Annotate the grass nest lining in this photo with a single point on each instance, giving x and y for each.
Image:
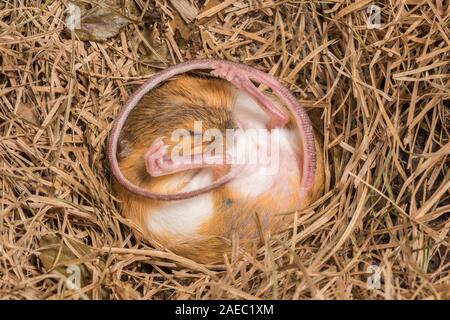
(380, 97)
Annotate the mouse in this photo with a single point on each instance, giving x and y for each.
(240, 146)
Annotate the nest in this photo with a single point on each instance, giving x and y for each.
(379, 94)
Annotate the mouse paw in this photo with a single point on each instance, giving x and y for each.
(154, 158)
(225, 71)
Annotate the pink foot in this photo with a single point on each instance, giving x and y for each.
(158, 163)
(154, 158)
(241, 80)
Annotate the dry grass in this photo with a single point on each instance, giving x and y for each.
(380, 97)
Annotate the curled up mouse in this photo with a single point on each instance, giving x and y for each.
(200, 160)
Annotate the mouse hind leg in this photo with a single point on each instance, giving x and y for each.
(241, 80)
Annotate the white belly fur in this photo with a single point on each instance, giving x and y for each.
(259, 178)
(181, 218)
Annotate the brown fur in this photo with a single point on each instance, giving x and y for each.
(176, 104)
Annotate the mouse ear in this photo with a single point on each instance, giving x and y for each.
(124, 148)
(242, 76)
